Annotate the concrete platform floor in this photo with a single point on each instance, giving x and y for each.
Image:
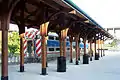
(107, 68)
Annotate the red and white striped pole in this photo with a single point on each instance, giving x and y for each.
(38, 47)
(25, 47)
(38, 44)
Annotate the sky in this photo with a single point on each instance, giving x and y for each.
(104, 12)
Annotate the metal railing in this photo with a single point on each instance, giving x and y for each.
(13, 60)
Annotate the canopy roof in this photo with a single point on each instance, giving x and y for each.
(60, 13)
(85, 15)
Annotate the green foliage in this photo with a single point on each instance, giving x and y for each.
(13, 43)
(114, 43)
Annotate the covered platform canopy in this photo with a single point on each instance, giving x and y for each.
(60, 13)
(60, 16)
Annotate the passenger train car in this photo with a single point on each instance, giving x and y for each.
(53, 44)
(32, 43)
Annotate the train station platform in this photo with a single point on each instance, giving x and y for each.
(107, 68)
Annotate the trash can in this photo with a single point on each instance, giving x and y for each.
(85, 59)
(61, 64)
(96, 56)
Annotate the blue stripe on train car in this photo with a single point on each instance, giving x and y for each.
(67, 44)
(82, 45)
(55, 43)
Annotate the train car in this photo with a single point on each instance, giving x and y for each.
(32, 43)
(53, 45)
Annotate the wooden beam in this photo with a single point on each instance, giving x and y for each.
(78, 49)
(61, 46)
(95, 45)
(64, 47)
(21, 54)
(4, 68)
(52, 4)
(76, 40)
(43, 55)
(84, 40)
(43, 33)
(91, 51)
(71, 54)
(21, 31)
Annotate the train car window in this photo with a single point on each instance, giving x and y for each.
(57, 49)
(67, 39)
(51, 37)
(68, 48)
(57, 38)
(51, 49)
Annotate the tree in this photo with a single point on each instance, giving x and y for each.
(114, 43)
(13, 43)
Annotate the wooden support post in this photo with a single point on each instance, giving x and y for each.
(21, 52)
(85, 56)
(61, 47)
(4, 55)
(96, 54)
(101, 47)
(4, 68)
(79, 53)
(95, 45)
(78, 50)
(46, 38)
(91, 52)
(61, 61)
(63, 36)
(43, 33)
(90, 44)
(85, 46)
(98, 46)
(76, 40)
(21, 33)
(71, 55)
(5, 15)
(64, 47)
(43, 55)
